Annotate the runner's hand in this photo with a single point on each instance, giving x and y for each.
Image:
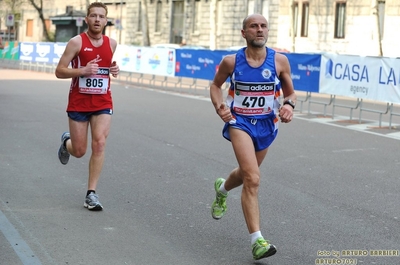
(91, 68)
(114, 69)
(224, 112)
(286, 113)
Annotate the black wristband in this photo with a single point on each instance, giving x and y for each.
(290, 102)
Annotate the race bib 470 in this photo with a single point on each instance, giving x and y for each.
(253, 98)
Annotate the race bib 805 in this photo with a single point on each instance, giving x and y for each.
(95, 84)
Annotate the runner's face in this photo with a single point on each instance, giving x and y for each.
(256, 31)
(96, 19)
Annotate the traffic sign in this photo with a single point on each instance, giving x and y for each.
(117, 24)
(79, 21)
(10, 20)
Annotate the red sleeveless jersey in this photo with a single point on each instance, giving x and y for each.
(91, 93)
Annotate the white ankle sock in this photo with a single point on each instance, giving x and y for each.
(222, 188)
(254, 236)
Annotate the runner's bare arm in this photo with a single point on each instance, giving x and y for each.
(285, 77)
(283, 69)
(114, 68)
(224, 71)
(71, 51)
(113, 44)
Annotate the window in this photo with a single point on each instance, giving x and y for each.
(158, 16)
(295, 16)
(340, 20)
(139, 17)
(220, 17)
(178, 21)
(265, 9)
(196, 16)
(29, 28)
(47, 22)
(381, 16)
(250, 7)
(305, 12)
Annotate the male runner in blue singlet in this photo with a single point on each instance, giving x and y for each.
(250, 113)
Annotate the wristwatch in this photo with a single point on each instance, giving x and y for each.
(290, 102)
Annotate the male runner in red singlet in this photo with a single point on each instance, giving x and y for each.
(250, 113)
(90, 101)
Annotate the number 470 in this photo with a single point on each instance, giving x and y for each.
(253, 101)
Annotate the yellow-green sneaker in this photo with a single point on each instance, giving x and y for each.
(262, 249)
(218, 208)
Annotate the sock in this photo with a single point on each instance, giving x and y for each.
(222, 188)
(65, 142)
(254, 236)
(90, 191)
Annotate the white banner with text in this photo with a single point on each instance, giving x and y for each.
(374, 78)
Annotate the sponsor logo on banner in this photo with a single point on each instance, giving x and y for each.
(361, 77)
(26, 51)
(154, 61)
(58, 51)
(344, 71)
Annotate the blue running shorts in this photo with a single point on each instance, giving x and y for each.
(262, 131)
(85, 116)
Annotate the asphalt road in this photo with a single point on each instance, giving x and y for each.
(327, 194)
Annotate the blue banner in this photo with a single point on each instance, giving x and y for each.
(190, 63)
(203, 64)
(200, 64)
(42, 52)
(305, 70)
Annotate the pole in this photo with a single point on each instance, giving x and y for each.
(120, 21)
(292, 24)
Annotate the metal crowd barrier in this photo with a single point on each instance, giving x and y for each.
(391, 114)
(198, 87)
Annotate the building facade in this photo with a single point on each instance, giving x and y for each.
(359, 27)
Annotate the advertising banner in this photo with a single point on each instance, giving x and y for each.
(147, 60)
(57, 51)
(41, 52)
(126, 57)
(199, 64)
(305, 71)
(373, 78)
(10, 51)
(361, 77)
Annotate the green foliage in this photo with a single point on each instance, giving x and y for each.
(52, 36)
(12, 5)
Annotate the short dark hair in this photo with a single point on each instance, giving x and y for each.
(96, 4)
(244, 22)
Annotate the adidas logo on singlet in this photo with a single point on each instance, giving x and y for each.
(255, 87)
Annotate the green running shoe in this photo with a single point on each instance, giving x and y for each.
(262, 249)
(218, 208)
